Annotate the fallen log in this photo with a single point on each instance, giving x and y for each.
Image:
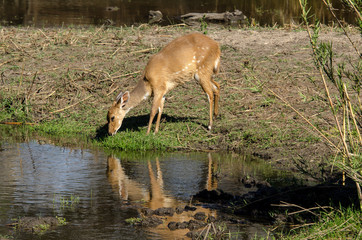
(227, 17)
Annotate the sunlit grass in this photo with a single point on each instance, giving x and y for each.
(337, 224)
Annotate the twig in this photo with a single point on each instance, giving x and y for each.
(144, 50)
(119, 76)
(195, 130)
(21, 50)
(50, 94)
(176, 25)
(115, 52)
(112, 91)
(188, 129)
(43, 33)
(285, 204)
(178, 138)
(207, 231)
(352, 113)
(60, 110)
(355, 9)
(11, 60)
(303, 226)
(17, 123)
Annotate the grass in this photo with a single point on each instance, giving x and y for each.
(61, 221)
(336, 224)
(132, 141)
(67, 101)
(41, 228)
(133, 221)
(6, 237)
(64, 203)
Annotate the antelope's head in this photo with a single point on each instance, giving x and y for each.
(117, 112)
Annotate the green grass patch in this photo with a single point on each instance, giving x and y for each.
(62, 127)
(336, 224)
(133, 221)
(135, 141)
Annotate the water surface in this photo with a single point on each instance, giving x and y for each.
(96, 192)
(120, 12)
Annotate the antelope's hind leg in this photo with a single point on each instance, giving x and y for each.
(216, 90)
(207, 86)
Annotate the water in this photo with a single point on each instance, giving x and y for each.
(96, 192)
(120, 12)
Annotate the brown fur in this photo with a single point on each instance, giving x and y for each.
(190, 56)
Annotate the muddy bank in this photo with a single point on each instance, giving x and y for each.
(279, 208)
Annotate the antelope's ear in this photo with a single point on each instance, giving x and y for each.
(125, 97)
(122, 99)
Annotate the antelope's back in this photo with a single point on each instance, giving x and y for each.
(190, 51)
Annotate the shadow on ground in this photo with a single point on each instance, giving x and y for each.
(135, 123)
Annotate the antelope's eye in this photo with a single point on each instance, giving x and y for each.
(112, 118)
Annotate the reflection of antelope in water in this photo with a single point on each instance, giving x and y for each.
(156, 197)
(211, 183)
(126, 188)
(129, 189)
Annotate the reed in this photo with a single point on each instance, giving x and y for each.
(347, 81)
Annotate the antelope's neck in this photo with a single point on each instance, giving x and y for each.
(141, 92)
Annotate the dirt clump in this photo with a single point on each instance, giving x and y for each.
(36, 224)
(152, 221)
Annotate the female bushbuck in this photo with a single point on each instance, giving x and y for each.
(190, 56)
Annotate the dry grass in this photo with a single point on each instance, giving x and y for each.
(73, 74)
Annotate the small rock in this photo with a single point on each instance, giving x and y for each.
(172, 226)
(200, 216)
(177, 225)
(147, 212)
(164, 212)
(189, 208)
(151, 222)
(179, 210)
(193, 224)
(182, 225)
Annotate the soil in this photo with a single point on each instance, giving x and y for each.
(78, 72)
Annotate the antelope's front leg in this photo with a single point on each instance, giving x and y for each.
(157, 106)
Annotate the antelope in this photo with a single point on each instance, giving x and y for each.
(191, 56)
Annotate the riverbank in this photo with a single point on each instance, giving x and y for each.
(64, 79)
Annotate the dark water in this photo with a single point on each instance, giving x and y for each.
(120, 12)
(96, 192)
